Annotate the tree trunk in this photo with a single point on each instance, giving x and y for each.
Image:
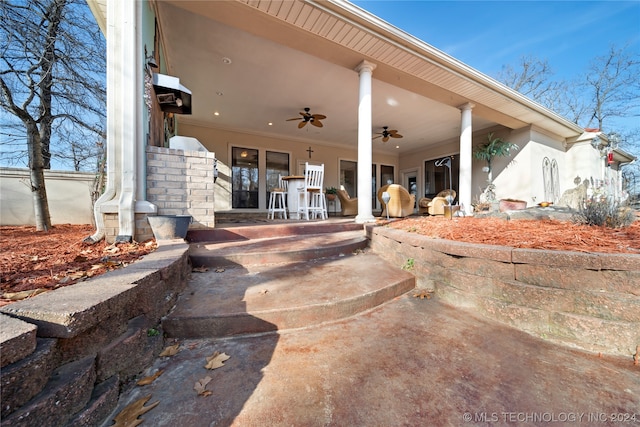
(38, 188)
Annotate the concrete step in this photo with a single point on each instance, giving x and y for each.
(269, 229)
(256, 298)
(286, 248)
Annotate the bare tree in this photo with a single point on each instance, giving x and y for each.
(609, 89)
(613, 86)
(52, 83)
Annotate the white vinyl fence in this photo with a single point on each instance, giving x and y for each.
(69, 195)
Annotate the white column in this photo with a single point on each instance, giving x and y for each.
(127, 114)
(365, 71)
(464, 190)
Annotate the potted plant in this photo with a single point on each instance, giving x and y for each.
(494, 147)
(331, 193)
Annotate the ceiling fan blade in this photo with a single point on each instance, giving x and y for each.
(316, 123)
(385, 138)
(319, 116)
(395, 135)
(302, 124)
(376, 137)
(295, 118)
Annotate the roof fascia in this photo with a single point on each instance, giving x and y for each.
(391, 34)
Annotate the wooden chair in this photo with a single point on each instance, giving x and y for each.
(311, 193)
(278, 200)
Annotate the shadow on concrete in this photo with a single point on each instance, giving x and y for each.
(230, 387)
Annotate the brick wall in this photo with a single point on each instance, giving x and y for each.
(180, 182)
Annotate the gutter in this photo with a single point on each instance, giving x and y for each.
(415, 46)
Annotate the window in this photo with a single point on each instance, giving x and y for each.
(349, 177)
(386, 175)
(438, 176)
(244, 178)
(277, 164)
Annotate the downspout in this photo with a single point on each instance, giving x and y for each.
(113, 153)
(131, 98)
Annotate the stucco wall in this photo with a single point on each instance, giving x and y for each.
(69, 195)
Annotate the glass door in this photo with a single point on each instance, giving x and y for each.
(244, 178)
(277, 164)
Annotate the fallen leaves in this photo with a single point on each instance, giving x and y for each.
(171, 350)
(33, 260)
(216, 360)
(128, 417)
(148, 380)
(201, 385)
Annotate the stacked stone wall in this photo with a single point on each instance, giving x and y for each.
(66, 354)
(586, 300)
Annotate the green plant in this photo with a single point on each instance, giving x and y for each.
(494, 147)
(152, 332)
(331, 190)
(408, 265)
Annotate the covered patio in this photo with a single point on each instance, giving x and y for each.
(251, 67)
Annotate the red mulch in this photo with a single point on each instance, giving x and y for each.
(522, 233)
(31, 259)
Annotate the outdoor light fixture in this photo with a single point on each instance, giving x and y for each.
(385, 198)
(151, 59)
(244, 154)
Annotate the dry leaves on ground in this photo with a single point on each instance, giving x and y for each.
(128, 417)
(524, 233)
(216, 360)
(33, 260)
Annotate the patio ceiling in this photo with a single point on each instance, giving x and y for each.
(288, 55)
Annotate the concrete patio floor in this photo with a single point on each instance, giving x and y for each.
(409, 362)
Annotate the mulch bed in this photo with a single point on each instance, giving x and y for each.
(31, 259)
(534, 234)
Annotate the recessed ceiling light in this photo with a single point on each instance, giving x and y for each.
(215, 113)
(219, 93)
(270, 124)
(397, 146)
(226, 60)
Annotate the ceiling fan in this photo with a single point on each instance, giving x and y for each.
(386, 134)
(307, 117)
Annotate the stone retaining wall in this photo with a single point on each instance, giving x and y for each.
(585, 300)
(65, 354)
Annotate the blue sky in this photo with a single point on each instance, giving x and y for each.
(489, 34)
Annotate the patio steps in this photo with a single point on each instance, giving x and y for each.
(299, 279)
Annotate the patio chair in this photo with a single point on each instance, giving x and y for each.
(348, 206)
(277, 200)
(311, 193)
(401, 203)
(436, 205)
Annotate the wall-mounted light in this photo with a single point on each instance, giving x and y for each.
(244, 154)
(150, 60)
